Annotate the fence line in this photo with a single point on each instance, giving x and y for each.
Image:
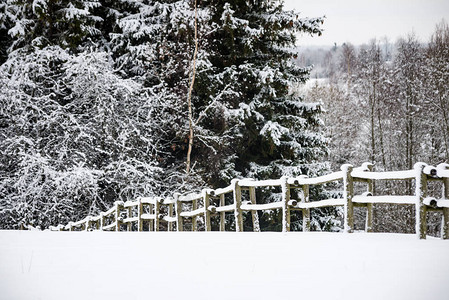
(125, 214)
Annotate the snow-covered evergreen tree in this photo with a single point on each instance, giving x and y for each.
(53, 22)
(242, 97)
(248, 122)
(6, 23)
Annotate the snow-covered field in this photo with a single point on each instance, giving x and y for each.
(214, 265)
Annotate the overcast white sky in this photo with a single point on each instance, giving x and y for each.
(358, 21)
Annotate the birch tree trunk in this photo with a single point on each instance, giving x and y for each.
(189, 97)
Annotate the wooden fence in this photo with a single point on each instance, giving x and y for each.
(171, 210)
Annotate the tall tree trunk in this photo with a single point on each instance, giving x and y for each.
(445, 125)
(382, 147)
(373, 140)
(372, 124)
(189, 97)
(381, 140)
(409, 133)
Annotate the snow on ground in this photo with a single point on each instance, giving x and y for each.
(214, 265)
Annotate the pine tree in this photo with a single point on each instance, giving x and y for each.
(248, 122)
(243, 96)
(53, 22)
(6, 23)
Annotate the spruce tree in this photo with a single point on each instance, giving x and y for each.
(249, 124)
(259, 128)
(6, 23)
(53, 22)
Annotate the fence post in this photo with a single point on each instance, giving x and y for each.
(369, 206)
(206, 201)
(194, 207)
(129, 226)
(178, 212)
(102, 217)
(88, 223)
(305, 211)
(157, 208)
(118, 218)
(285, 207)
(151, 222)
(254, 215)
(420, 208)
(222, 214)
(170, 214)
(139, 215)
(348, 193)
(237, 193)
(445, 225)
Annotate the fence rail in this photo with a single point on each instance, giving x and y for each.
(149, 209)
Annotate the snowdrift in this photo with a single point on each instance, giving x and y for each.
(217, 265)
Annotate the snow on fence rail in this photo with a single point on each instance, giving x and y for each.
(213, 202)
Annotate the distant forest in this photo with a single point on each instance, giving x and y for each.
(385, 102)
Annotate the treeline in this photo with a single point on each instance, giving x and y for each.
(93, 102)
(388, 104)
